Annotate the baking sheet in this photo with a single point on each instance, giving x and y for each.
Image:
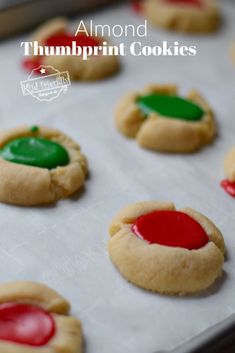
(17, 16)
(64, 245)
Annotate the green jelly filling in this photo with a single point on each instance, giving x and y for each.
(35, 151)
(173, 107)
(34, 128)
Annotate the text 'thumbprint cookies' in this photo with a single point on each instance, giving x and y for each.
(54, 35)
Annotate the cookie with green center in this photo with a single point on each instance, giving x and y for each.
(35, 318)
(160, 119)
(164, 250)
(189, 16)
(39, 165)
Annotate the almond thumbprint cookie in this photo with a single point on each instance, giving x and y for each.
(164, 250)
(160, 119)
(188, 16)
(229, 166)
(35, 319)
(39, 165)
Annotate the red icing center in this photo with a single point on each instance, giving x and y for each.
(32, 63)
(25, 324)
(64, 39)
(137, 6)
(197, 3)
(170, 228)
(228, 186)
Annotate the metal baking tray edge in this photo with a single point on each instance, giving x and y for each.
(213, 340)
(19, 16)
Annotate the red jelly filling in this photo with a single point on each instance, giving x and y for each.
(137, 6)
(30, 64)
(228, 186)
(64, 39)
(170, 228)
(197, 3)
(25, 324)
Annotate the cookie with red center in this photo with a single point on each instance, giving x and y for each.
(189, 16)
(55, 33)
(160, 249)
(137, 6)
(228, 184)
(35, 318)
(162, 120)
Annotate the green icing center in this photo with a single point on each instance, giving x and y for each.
(35, 151)
(173, 107)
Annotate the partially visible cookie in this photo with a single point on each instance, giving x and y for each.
(229, 167)
(233, 52)
(189, 16)
(159, 119)
(160, 249)
(39, 165)
(35, 318)
(55, 33)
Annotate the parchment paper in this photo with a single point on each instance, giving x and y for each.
(64, 245)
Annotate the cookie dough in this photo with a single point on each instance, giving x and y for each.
(55, 33)
(35, 318)
(39, 165)
(229, 166)
(189, 16)
(161, 120)
(160, 249)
